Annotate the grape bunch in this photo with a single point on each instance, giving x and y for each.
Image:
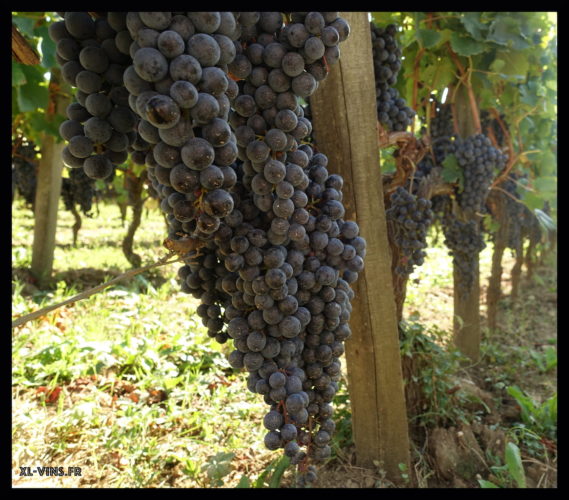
(465, 242)
(392, 110)
(478, 159)
(442, 140)
(518, 216)
(75, 189)
(442, 133)
(410, 218)
(78, 189)
(93, 56)
(24, 171)
(180, 89)
(216, 100)
(442, 122)
(290, 255)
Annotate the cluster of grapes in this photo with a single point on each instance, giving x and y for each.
(92, 53)
(442, 133)
(182, 93)
(520, 219)
(291, 271)
(75, 189)
(442, 140)
(442, 122)
(465, 242)
(392, 110)
(216, 97)
(24, 171)
(478, 159)
(411, 218)
(78, 189)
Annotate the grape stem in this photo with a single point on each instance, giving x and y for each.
(87, 293)
(416, 69)
(465, 80)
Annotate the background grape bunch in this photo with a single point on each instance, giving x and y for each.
(479, 160)
(518, 217)
(410, 216)
(24, 171)
(77, 189)
(392, 110)
(464, 241)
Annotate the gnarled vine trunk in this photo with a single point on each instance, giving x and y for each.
(517, 272)
(77, 225)
(136, 201)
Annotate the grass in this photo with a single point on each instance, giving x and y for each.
(127, 385)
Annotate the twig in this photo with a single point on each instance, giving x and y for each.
(497, 188)
(416, 68)
(431, 19)
(465, 78)
(87, 293)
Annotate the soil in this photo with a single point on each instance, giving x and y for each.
(457, 456)
(442, 457)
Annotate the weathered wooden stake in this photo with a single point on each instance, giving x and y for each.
(466, 307)
(345, 123)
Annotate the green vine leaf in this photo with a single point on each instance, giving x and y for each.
(544, 220)
(440, 74)
(497, 65)
(490, 225)
(25, 25)
(515, 466)
(47, 48)
(486, 484)
(472, 24)
(506, 30)
(39, 124)
(138, 170)
(465, 45)
(18, 75)
(428, 38)
(511, 64)
(452, 172)
(33, 94)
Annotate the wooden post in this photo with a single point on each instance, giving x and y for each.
(345, 120)
(47, 193)
(466, 307)
(22, 52)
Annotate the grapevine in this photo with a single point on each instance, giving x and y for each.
(392, 110)
(24, 171)
(479, 160)
(410, 218)
(212, 101)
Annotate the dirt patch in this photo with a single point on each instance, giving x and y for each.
(457, 456)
